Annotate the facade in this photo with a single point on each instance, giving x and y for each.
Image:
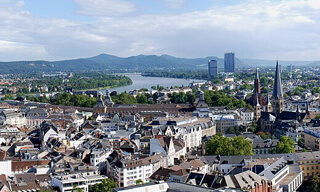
(83, 181)
(36, 116)
(12, 118)
(127, 172)
(213, 68)
(310, 138)
(309, 163)
(229, 64)
(247, 114)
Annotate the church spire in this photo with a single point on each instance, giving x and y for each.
(257, 100)
(268, 100)
(257, 73)
(277, 87)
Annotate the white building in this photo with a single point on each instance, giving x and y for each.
(12, 118)
(79, 180)
(247, 114)
(98, 157)
(127, 172)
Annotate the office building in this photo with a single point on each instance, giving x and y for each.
(229, 65)
(213, 68)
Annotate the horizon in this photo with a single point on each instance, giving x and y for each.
(160, 55)
(67, 29)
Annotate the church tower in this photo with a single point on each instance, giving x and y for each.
(268, 107)
(257, 89)
(277, 93)
(257, 109)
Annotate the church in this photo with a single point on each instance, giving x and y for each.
(273, 117)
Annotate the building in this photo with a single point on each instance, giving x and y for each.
(12, 118)
(257, 108)
(100, 107)
(127, 172)
(309, 163)
(36, 116)
(66, 182)
(158, 186)
(278, 101)
(229, 65)
(213, 68)
(310, 138)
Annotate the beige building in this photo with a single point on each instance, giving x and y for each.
(311, 137)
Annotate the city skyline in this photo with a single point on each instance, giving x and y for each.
(36, 30)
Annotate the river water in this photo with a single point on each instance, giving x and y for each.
(139, 82)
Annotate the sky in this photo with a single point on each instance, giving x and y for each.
(66, 29)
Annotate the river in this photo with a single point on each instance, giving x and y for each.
(139, 81)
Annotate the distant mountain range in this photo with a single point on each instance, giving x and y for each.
(133, 63)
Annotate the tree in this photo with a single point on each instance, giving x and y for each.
(76, 189)
(315, 184)
(105, 185)
(142, 98)
(139, 181)
(286, 145)
(264, 135)
(225, 146)
(8, 97)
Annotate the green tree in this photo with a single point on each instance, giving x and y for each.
(241, 146)
(76, 189)
(228, 146)
(8, 97)
(286, 145)
(315, 184)
(139, 182)
(142, 98)
(105, 185)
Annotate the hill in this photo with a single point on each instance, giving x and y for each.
(134, 63)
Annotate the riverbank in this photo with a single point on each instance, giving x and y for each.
(196, 75)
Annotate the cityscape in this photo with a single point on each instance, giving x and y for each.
(163, 96)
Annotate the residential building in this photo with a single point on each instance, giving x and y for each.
(310, 138)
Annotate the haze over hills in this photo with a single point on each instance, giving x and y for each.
(133, 63)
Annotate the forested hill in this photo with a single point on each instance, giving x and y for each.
(110, 62)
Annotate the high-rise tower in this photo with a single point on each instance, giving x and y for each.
(277, 92)
(213, 68)
(229, 66)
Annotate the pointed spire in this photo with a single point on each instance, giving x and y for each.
(268, 100)
(257, 100)
(257, 73)
(277, 87)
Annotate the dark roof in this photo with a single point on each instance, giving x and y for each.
(196, 176)
(161, 174)
(288, 115)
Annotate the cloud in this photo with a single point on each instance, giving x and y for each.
(254, 29)
(105, 7)
(174, 4)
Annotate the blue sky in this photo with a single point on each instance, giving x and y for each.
(64, 29)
